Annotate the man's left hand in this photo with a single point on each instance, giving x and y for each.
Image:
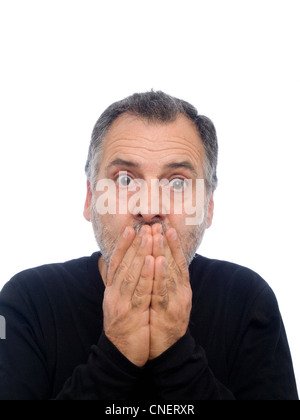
(171, 301)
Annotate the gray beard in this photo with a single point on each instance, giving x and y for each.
(107, 243)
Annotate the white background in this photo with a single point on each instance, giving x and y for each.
(64, 61)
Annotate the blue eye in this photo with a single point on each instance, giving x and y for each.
(124, 180)
(178, 184)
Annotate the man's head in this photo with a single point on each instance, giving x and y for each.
(151, 136)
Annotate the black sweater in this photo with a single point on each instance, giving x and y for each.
(235, 348)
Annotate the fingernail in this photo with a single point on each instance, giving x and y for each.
(126, 232)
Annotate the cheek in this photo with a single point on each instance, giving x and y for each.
(116, 222)
(178, 222)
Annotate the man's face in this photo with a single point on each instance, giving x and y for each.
(135, 149)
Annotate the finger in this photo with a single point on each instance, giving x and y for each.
(161, 248)
(127, 246)
(174, 248)
(169, 246)
(147, 229)
(158, 245)
(157, 228)
(134, 267)
(147, 275)
(160, 297)
(124, 243)
(143, 291)
(157, 232)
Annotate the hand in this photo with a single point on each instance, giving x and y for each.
(171, 301)
(127, 298)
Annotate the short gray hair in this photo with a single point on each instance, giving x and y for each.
(155, 107)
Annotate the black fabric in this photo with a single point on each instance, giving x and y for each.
(235, 348)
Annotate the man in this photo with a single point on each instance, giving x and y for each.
(146, 318)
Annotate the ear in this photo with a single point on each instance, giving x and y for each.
(88, 203)
(210, 211)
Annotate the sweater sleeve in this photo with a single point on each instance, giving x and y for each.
(262, 367)
(108, 375)
(183, 373)
(24, 368)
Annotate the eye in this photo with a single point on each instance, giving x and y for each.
(124, 180)
(178, 184)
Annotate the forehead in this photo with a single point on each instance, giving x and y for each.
(153, 143)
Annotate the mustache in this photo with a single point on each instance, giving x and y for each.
(138, 226)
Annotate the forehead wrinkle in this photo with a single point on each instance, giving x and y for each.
(167, 160)
(153, 145)
(141, 155)
(142, 151)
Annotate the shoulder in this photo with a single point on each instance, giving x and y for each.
(225, 271)
(233, 299)
(231, 282)
(50, 277)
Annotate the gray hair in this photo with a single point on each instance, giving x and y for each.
(155, 107)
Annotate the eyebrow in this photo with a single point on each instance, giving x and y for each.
(122, 162)
(178, 165)
(173, 165)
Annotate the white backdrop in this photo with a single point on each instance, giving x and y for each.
(64, 61)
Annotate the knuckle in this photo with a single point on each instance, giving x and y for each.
(123, 267)
(137, 301)
(140, 299)
(129, 278)
(173, 266)
(163, 299)
(128, 281)
(183, 268)
(171, 285)
(164, 302)
(139, 292)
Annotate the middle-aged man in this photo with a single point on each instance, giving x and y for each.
(146, 317)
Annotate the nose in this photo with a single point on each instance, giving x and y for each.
(147, 205)
(149, 219)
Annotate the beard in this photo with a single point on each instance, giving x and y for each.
(107, 242)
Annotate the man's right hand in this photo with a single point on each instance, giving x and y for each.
(127, 296)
